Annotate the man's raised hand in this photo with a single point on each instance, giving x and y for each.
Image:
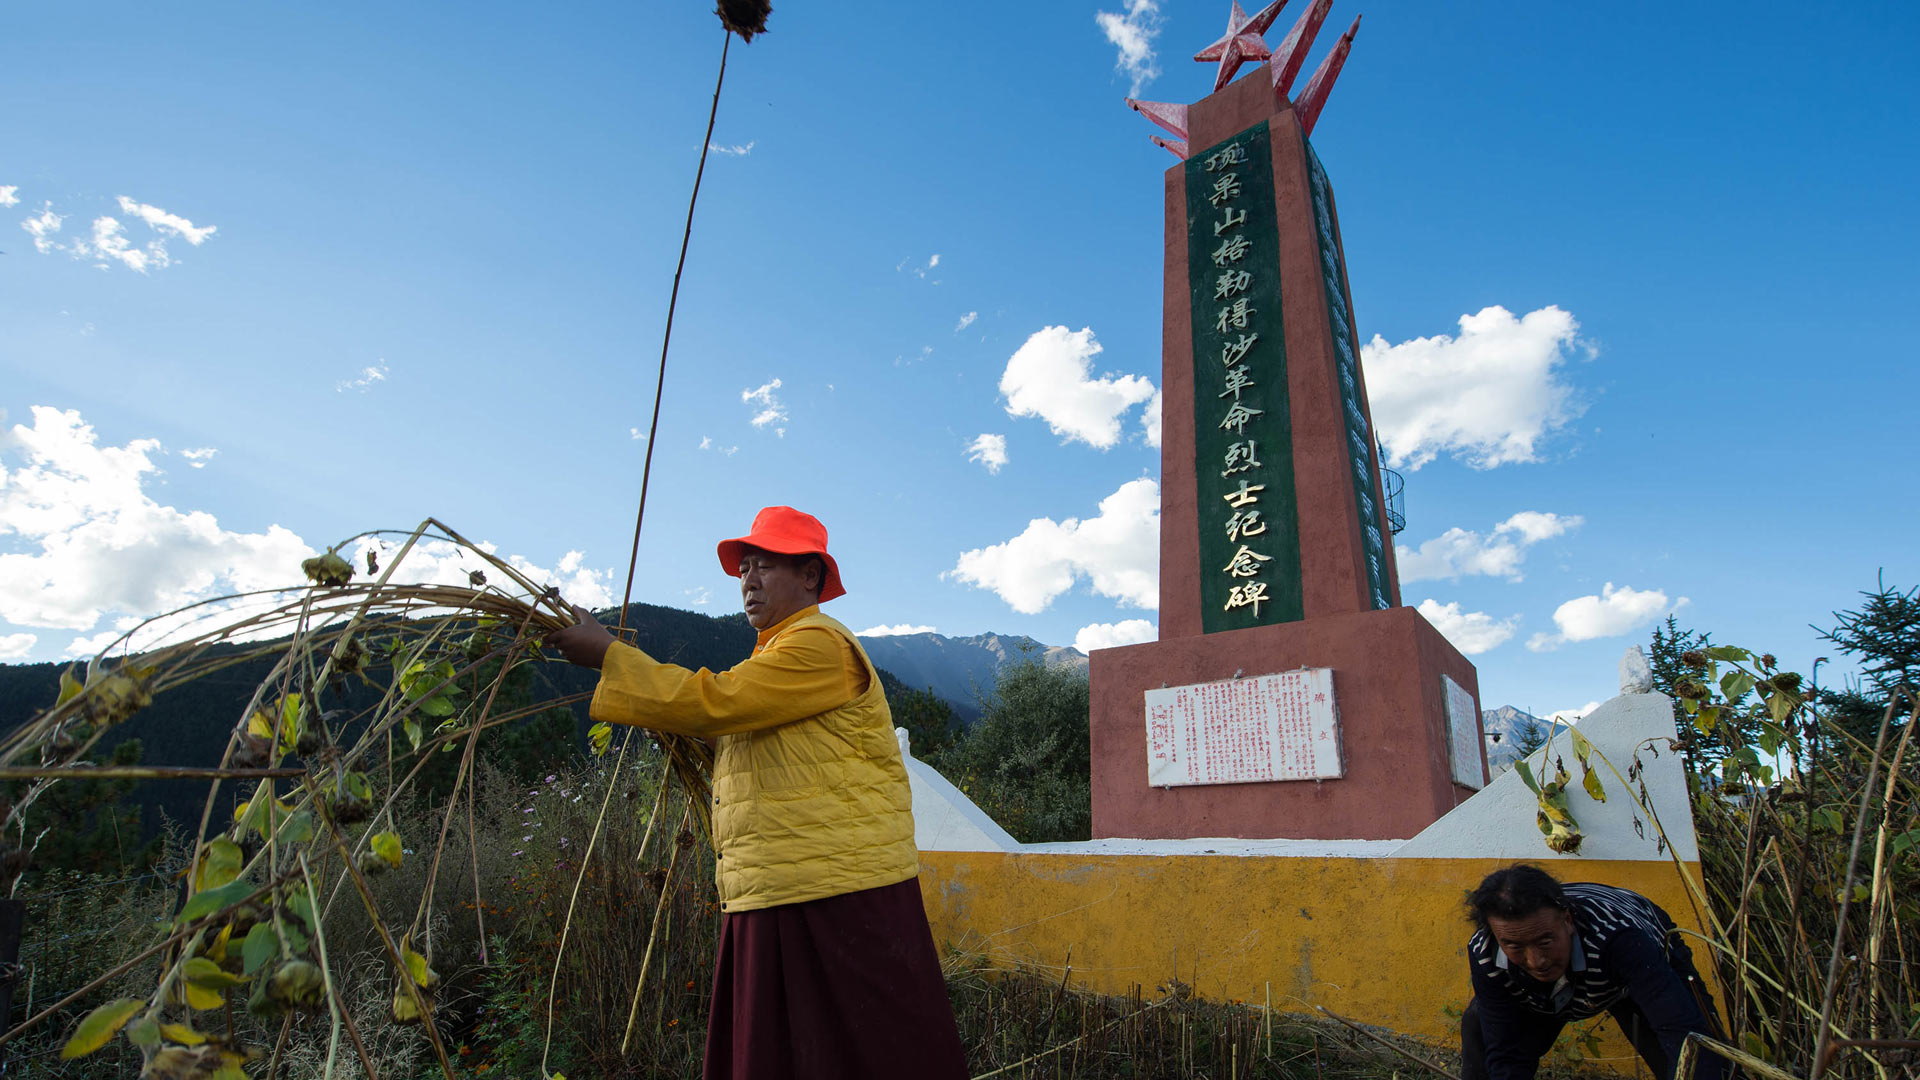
(584, 643)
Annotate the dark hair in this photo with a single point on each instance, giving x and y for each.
(1514, 893)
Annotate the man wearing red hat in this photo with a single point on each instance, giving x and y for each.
(826, 967)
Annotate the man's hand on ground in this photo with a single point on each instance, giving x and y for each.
(585, 643)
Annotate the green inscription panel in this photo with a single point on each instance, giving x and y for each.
(1360, 464)
(1243, 435)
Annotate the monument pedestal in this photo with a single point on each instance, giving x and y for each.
(1388, 668)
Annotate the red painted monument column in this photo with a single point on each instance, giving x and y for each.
(1275, 551)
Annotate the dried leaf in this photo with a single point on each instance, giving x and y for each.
(99, 1026)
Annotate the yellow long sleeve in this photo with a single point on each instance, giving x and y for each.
(791, 676)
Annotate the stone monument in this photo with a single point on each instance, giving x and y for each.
(1290, 694)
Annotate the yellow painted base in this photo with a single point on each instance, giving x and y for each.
(1381, 941)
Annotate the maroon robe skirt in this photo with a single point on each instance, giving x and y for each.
(844, 988)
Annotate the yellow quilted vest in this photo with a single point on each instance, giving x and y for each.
(815, 808)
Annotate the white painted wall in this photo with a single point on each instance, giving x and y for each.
(944, 819)
(1498, 822)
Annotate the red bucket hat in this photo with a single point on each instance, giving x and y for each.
(785, 531)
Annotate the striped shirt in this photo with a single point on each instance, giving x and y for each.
(1627, 959)
(1600, 913)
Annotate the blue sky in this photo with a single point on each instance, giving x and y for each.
(366, 264)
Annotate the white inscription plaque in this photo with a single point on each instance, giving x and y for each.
(1463, 735)
(1238, 731)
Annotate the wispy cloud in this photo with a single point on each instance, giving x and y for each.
(966, 321)
(989, 450)
(1462, 552)
(698, 596)
(16, 646)
(735, 150)
(42, 227)
(377, 373)
(1051, 377)
(1615, 611)
(1488, 397)
(1131, 31)
(906, 265)
(170, 224)
(897, 630)
(769, 411)
(9, 195)
(199, 456)
(707, 443)
(108, 243)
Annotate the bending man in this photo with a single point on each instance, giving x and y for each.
(1546, 954)
(826, 966)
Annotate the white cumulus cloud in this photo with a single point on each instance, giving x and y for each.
(1110, 635)
(1472, 632)
(768, 409)
(169, 224)
(1572, 716)
(1462, 552)
(1489, 396)
(1117, 552)
(15, 646)
(897, 630)
(1051, 377)
(1615, 611)
(1150, 421)
(199, 456)
(84, 547)
(80, 539)
(1131, 31)
(9, 195)
(989, 450)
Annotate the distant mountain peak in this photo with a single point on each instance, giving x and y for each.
(962, 670)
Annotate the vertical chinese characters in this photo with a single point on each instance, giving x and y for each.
(1234, 321)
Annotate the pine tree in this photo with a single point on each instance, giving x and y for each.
(1884, 635)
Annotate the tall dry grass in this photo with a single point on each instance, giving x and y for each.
(1814, 891)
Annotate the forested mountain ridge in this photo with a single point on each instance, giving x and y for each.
(190, 724)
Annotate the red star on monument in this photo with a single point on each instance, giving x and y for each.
(1242, 42)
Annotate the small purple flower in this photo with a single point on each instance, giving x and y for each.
(551, 778)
